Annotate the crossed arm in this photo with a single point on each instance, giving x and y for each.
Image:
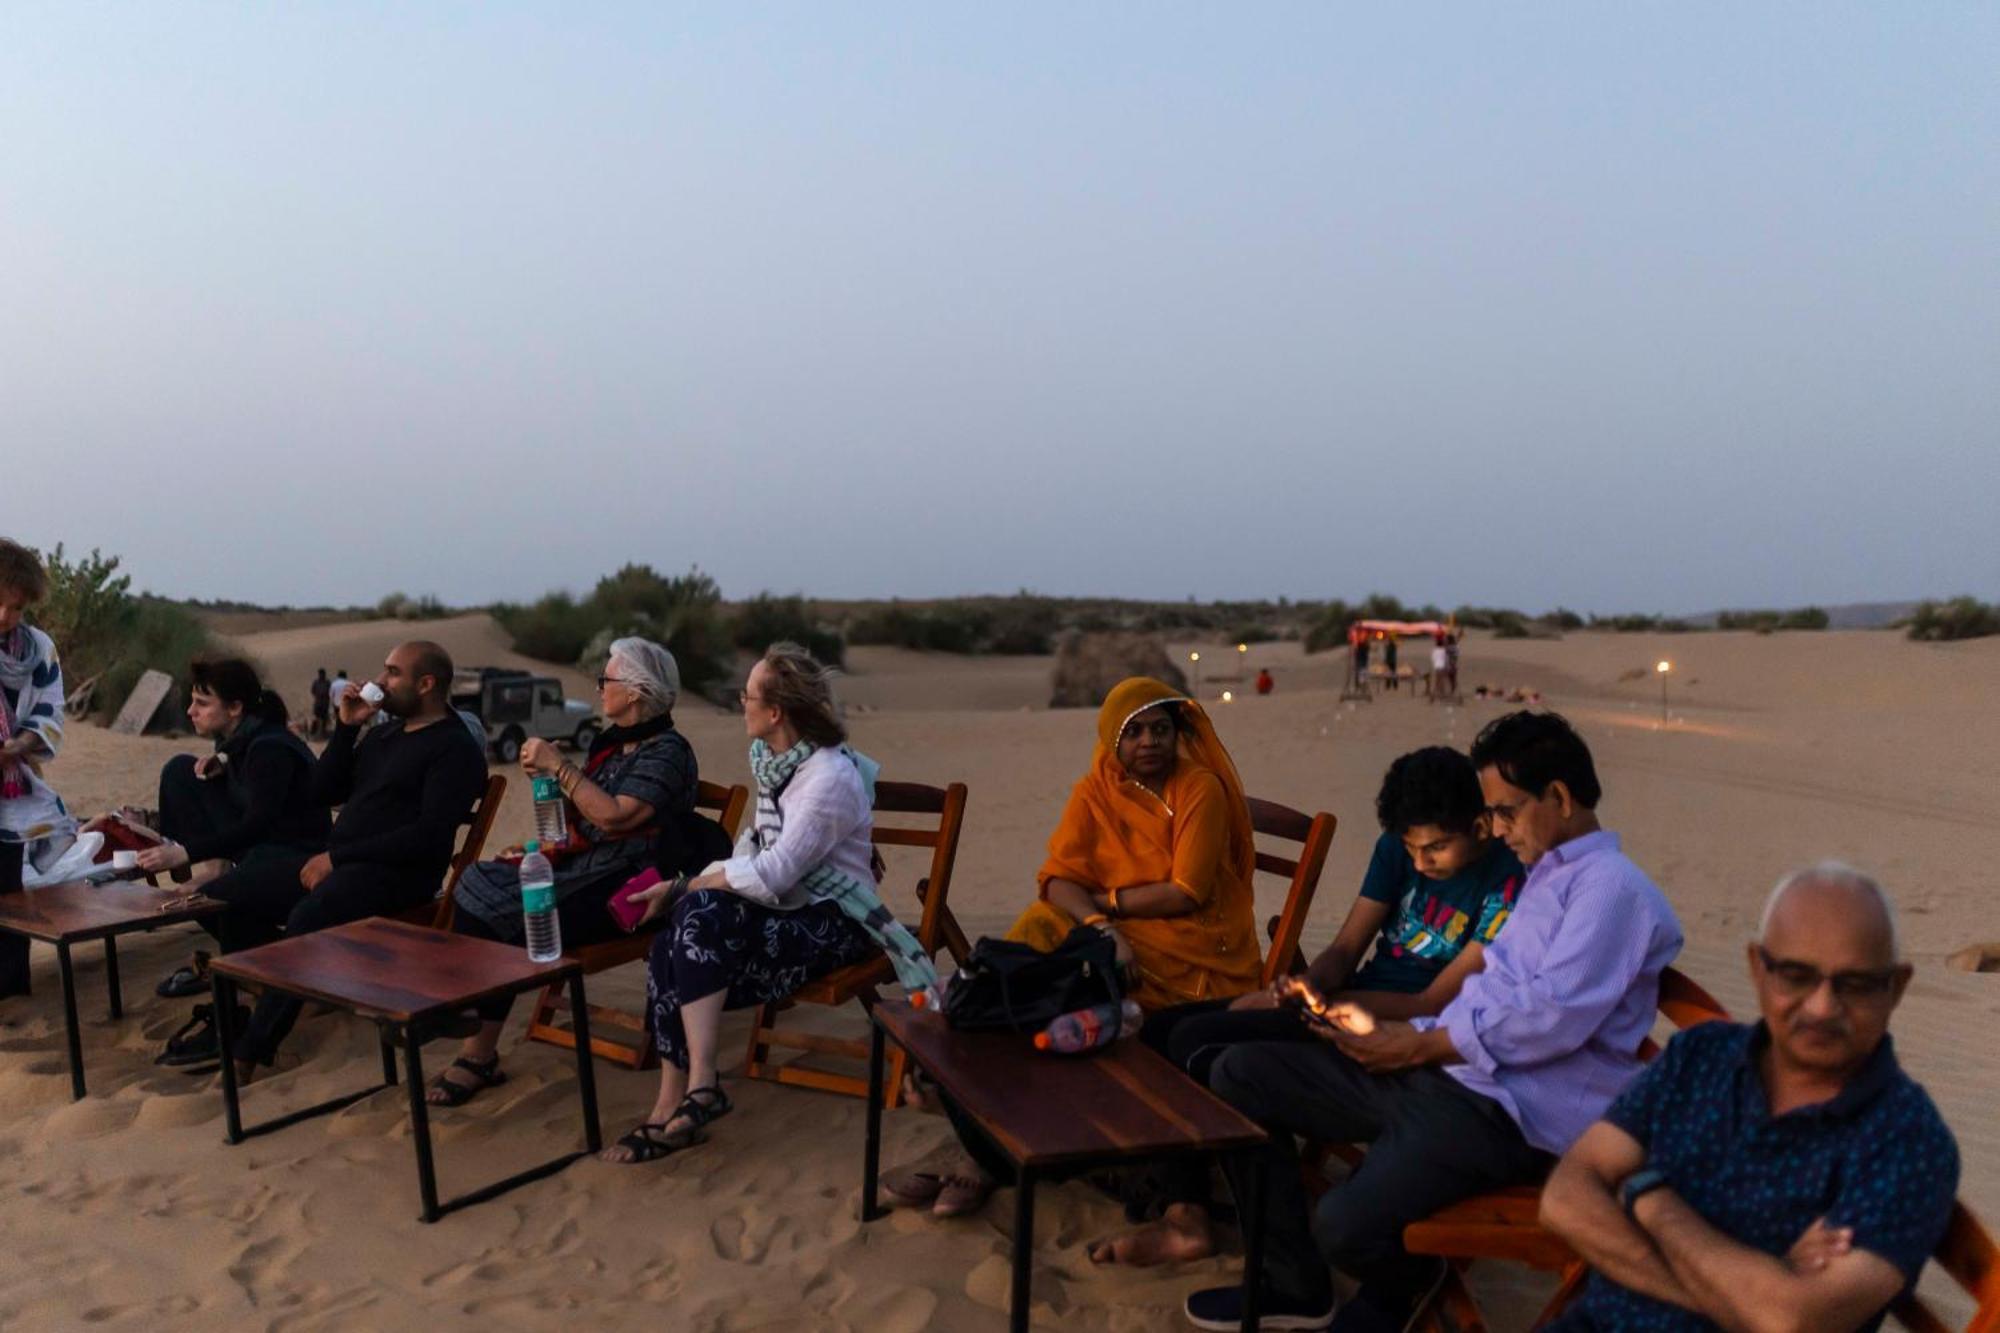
(1666, 1250)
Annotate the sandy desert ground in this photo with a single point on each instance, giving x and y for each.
(126, 1210)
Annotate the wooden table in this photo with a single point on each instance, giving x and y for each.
(408, 980)
(1057, 1115)
(77, 912)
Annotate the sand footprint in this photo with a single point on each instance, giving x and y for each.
(744, 1235)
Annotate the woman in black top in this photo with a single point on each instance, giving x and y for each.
(248, 800)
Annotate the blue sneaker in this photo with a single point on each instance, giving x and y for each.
(1221, 1309)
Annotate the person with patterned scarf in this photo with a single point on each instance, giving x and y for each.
(796, 901)
(35, 826)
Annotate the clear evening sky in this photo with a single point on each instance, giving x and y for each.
(1636, 306)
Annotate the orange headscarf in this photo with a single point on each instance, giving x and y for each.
(1195, 834)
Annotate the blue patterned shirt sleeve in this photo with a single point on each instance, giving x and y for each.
(1899, 1186)
(1656, 1090)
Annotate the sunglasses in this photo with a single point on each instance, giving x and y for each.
(1794, 978)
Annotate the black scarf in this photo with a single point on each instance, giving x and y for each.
(612, 739)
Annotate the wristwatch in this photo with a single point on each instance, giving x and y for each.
(1641, 1182)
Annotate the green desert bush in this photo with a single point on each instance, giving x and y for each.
(683, 612)
(1329, 628)
(1958, 618)
(102, 630)
(402, 606)
(767, 618)
(554, 629)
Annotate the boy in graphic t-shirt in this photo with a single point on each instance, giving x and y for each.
(1438, 888)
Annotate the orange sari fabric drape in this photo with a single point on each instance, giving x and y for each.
(1195, 834)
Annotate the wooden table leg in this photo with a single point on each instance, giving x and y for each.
(1024, 1249)
(63, 963)
(871, 1151)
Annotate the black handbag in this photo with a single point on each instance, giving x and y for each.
(1009, 987)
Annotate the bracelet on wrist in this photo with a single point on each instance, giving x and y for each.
(1097, 919)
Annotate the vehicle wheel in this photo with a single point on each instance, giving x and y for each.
(508, 748)
(586, 736)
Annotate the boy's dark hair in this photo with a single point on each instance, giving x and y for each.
(1531, 750)
(1434, 785)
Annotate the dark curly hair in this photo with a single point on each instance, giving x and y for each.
(1532, 750)
(21, 572)
(1434, 785)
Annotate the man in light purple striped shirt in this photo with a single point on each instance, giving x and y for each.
(1529, 1054)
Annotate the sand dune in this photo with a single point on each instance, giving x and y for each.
(126, 1210)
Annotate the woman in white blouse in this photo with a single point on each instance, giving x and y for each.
(797, 899)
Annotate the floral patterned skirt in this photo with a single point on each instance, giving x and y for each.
(721, 941)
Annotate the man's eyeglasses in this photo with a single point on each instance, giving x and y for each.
(1795, 978)
(602, 681)
(744, 699)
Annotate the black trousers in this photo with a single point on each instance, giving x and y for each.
(14, 977)
(1430, 1142)
(189, 807)
(581, 918)
(266, 900)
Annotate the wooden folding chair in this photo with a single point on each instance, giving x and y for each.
(936, 929)
(547, 1023)
(438, 913)
(1314, 833)
(1968, 1254)
(1505, 1224)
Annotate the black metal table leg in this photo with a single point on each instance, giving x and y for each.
(586, 1063)
(69, 1022)
(1024, 1248)
(420, 1124)
(223, 992)
(111, 976)
(387, 1040)
(1252, 1220)
(871, 1152)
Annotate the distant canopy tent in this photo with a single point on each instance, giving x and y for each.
(1402, 629)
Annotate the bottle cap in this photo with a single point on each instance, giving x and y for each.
(531, 845)
(918, 999)
(1043, 1041)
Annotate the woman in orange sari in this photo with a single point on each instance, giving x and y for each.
(1154, 848)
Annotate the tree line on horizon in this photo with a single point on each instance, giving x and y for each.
(110, 635)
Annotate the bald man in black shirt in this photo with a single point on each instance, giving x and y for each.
(403, 789)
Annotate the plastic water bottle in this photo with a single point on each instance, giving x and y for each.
(538, 906)
(551, 821)
(1087, 1029)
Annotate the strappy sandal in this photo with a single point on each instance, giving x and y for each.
(702, 1107)
(486, 1073)
(650, 1142)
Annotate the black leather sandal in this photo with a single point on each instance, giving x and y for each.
(449, 1093)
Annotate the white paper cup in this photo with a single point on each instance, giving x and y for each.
(125, 859)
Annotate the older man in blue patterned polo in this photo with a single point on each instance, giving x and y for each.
(1782, 1175)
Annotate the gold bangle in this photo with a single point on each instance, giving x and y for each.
(1112, 905)
(1097, 919)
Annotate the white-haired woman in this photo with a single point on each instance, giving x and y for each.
(639, 770)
